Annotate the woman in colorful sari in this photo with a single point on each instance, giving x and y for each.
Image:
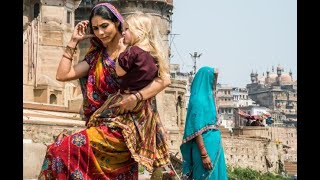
(100, 152)
(202, 151)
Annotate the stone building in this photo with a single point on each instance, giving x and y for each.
(241, 97)
(228, 98)
(225, 104)
(47, 27)
(276, 91)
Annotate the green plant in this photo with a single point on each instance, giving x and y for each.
(238, 173)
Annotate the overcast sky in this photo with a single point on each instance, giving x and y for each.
(236, 36)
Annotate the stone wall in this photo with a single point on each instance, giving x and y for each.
(41, 122)
(53, 30)
(256, 153)
(44, 132)
(286, 136)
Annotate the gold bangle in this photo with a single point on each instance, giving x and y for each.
(135, 94)
(141, 99)
(139, 96)
(204, 156)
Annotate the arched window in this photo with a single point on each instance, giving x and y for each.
(36, 10)
(53, 99)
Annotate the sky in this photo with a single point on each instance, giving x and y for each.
(235, 36)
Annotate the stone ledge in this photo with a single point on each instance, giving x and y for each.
(35, 112)
(53, 121)
(47, 107)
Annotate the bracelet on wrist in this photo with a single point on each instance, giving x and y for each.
(204, 156)
(135, 94)
(70, 58)
(141, 97)
(70, 50)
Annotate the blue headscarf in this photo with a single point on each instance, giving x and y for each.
(202, 117)
(201, 114)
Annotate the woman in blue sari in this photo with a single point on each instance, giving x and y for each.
(202, 151)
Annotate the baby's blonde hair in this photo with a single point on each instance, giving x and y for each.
(146, 33)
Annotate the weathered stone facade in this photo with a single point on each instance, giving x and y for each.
(255, 153)
(48, 25)
(173, 112)
(276, 91)
(286, 136)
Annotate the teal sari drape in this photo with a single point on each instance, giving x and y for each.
(202, 120)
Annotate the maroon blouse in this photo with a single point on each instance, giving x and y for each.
(140, 66)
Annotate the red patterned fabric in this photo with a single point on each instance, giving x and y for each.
(101, 80)
(75, 157)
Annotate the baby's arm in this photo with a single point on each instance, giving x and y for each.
(119, 70)
(122, 47)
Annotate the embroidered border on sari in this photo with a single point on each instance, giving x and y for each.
(206, 128)
(216, 160)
